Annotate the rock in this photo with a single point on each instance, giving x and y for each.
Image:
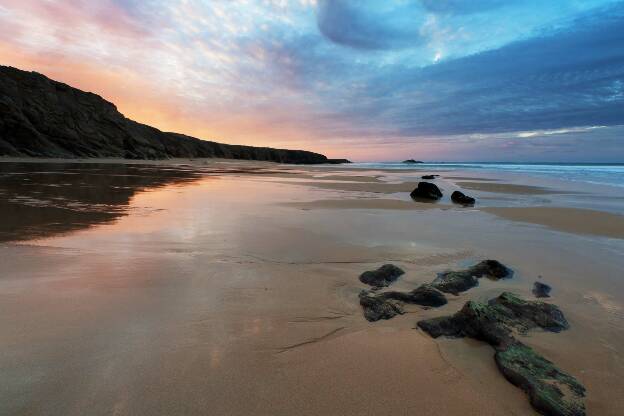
(495, 321)
(386, 305)
(412, 161)
(551, 391)
(382, 277)
(455, 282)
(459, 281)
(40, 117)
(426, 190)
(378, 307)
(460, 198)
(429, 176)
(424, 295)
(541, 290)
(491, 269)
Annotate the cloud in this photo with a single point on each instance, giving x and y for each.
(370, 25)
(565, 79)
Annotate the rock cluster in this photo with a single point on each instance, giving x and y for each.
(386, 305)
(498, 322)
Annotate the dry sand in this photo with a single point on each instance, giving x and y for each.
(225, 289)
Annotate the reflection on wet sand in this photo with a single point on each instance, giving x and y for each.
(42, 199)
(228, 290)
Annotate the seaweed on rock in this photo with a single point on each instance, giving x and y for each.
(455, 282)
(550, 390)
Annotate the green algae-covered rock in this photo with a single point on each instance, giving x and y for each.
(386, 305)
(551, 391)
(456, 282)
(379, 307)
(525, 315)
(496, 322)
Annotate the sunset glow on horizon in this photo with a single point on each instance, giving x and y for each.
(366, 80)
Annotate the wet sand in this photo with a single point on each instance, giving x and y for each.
(223, 288)
(570, 220)
(506, 188)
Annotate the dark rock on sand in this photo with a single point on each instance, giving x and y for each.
(429, 176)
(378, 307)
(389, 304)
(495, 321)
(551, 391)
(412, 161)
(382, 277)
(40, 117)
(460, 198)
(459, 281)
(541, 290)
(426, 190)
(424, 295)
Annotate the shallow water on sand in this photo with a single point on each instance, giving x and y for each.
(148, 290)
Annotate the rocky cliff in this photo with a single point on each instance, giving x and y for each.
(40, 117)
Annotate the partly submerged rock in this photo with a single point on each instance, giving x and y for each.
(459, 281)
(383, 276)
(386, 305)
(426, 190)
(541, 290)
(551, 391)
(429, 176)
(461, 198)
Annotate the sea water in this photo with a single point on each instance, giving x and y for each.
(604, 174)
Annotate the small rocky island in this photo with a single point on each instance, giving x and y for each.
(412, 161)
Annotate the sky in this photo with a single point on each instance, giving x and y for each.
(368, 80)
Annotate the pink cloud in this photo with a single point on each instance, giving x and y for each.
(107, 15)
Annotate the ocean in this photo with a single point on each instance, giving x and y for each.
(603, 174)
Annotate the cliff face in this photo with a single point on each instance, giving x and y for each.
(40, 117)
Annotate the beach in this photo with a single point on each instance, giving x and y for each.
(231, 287)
